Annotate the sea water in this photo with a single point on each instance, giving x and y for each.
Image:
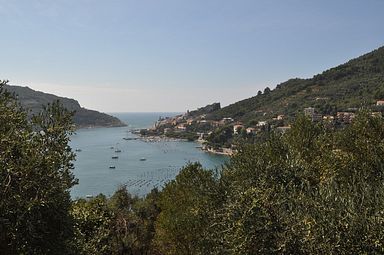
(140, 166)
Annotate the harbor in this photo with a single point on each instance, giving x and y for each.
(142, 164)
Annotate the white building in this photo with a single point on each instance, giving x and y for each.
(236, 128)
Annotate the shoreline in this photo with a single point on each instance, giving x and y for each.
(160, 139)
(221, 151)
(224, 152)
(98, 126)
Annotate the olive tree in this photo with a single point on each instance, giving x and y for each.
(35, 178)
(310, 191)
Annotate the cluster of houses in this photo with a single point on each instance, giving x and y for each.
(203, 127)
(344, 117)
(184, 123)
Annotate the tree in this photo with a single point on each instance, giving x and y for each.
(120, 225)
(267, 90)
(93, 221)
(35, 178)
(147, 210)
(183, 226)
(221, 136)
(310, 191)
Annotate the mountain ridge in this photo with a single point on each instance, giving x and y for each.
(83, 118)
(358, 82)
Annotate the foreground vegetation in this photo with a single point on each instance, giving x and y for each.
(313, 190)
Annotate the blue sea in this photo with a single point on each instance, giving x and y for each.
(162, 163)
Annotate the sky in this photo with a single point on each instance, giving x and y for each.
(175, 55)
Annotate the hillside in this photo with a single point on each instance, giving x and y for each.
(34, 101)
(359, 82)
(205, 110)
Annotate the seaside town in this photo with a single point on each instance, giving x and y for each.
(203, 129)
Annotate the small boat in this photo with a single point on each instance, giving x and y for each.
(143, 159)
(88, 196)
(112, 167)
(129, 138)
(78, 150)
(112, 147)
(117, 148)
(115, 157)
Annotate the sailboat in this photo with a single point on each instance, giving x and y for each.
(126, 137)
(117, 148)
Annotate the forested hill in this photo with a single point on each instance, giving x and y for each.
(34, 101)
(359, 82)
(205, 110)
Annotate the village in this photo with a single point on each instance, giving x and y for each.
(201, 129)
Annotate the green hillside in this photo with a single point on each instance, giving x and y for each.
(205, 110)
(34, 101)
(359, 82)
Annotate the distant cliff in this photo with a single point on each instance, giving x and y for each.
(34, 101)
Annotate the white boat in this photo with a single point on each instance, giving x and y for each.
(117, 150)
(143, 159)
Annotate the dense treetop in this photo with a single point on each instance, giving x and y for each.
(35, 178)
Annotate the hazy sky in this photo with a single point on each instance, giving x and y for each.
(174, 55)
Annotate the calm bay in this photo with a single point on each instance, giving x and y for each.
(141, 165)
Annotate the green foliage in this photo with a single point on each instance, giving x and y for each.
(312, 191)
(221, 137)
(121, 224)
(35, 178)
(183, 226)
(189, 136)
(267, 90)
(93, 226)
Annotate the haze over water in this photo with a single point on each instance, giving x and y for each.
(163, 159)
